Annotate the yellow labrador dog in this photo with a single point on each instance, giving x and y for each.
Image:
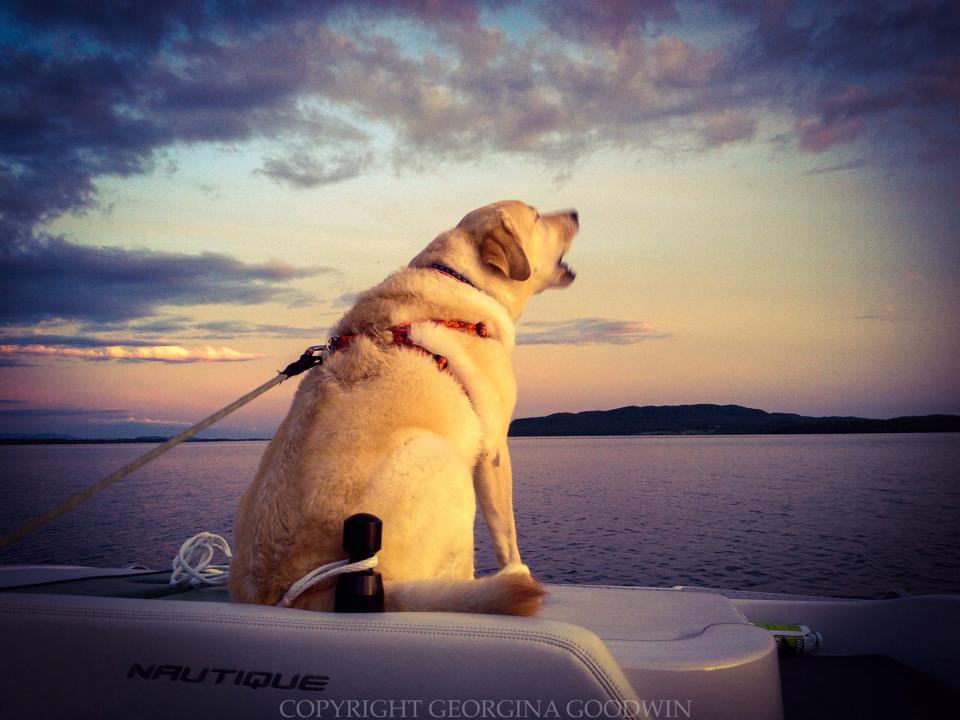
(407, 419)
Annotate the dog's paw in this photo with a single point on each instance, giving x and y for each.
(515, 568)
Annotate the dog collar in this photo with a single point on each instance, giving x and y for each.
(449, 271)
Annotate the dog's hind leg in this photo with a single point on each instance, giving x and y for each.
(424, 494)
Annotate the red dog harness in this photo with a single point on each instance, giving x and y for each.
(314, 355)
(401, 337)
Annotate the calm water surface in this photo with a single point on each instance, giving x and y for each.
(837, 514)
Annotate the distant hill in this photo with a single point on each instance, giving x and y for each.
(718, 420)
(633, 420)
(39, 437)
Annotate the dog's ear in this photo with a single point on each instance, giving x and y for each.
(500, 248)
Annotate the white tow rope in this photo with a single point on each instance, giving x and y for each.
(322, 573)
(193, 566)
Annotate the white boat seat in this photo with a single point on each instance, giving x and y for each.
(72, 655)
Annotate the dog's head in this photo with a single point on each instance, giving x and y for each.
(507, 249)
(516, 242)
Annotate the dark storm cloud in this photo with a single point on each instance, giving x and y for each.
(183, 328)
(131, 79)
(845, 62)
(94, 88)
(98, 88)
(871, 37)
(80, 341)
(70, 116)
(848, 36)
(54, 279)
(121, 23)
(104, 84)
(62, 123)
(134, 24)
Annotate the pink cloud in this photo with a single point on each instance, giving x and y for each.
(817, 135)
(153, 353)
(680, 64)
(856, 100)
(841, 117)
(728, 127)
(608, 20)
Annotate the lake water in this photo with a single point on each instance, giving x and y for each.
(852, 515)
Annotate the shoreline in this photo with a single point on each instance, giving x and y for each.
(796, 433)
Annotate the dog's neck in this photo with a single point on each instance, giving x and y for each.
(449, 271)
(506, 301)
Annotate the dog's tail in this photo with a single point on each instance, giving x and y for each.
(512, 591)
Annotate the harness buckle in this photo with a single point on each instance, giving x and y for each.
(311, 357)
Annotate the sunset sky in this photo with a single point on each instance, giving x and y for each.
(192, 191)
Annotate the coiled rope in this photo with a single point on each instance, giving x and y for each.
(192, 565)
